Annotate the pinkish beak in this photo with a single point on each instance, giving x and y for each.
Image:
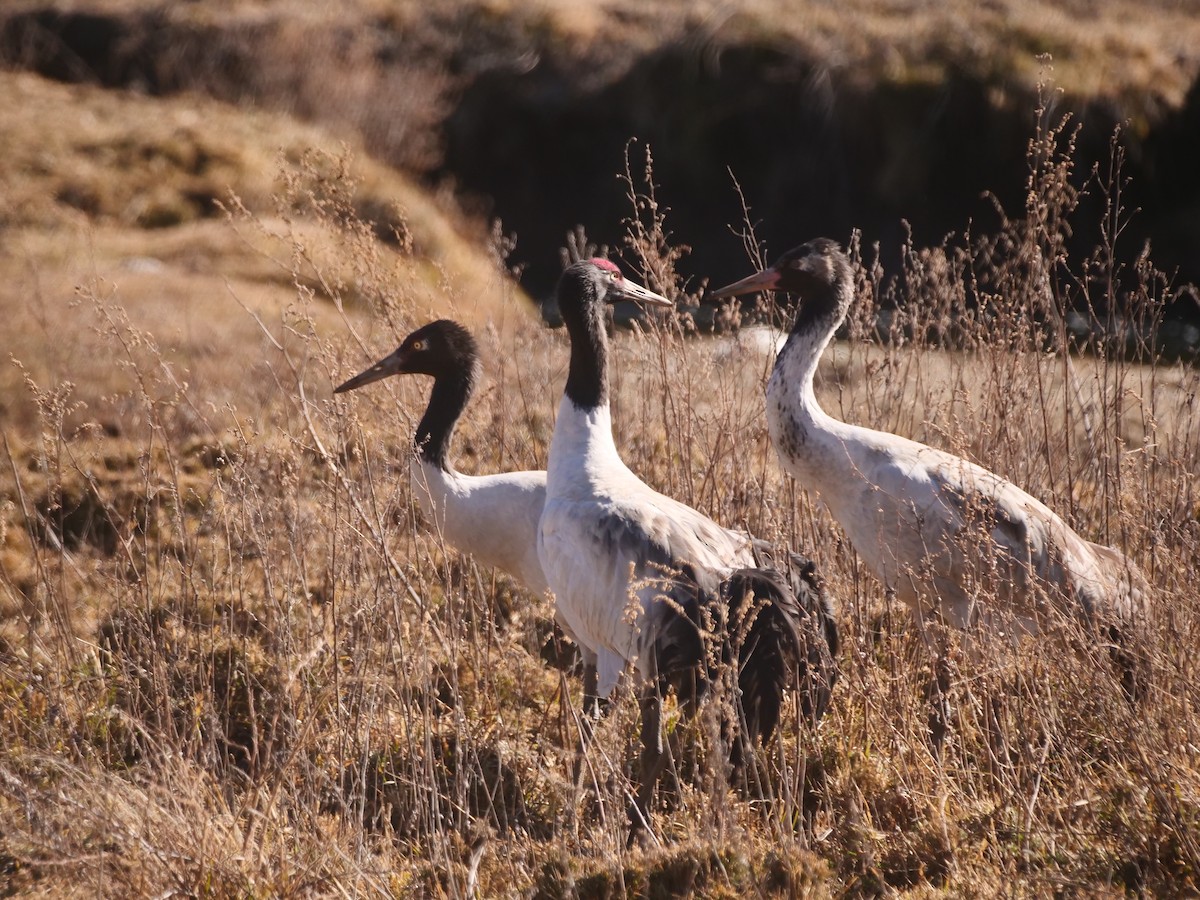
(766, 280)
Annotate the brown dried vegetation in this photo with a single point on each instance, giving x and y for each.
(233, 662)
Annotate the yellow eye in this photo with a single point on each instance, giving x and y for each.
(615, 276)
(418, 345)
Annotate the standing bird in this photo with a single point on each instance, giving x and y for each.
(492, 517)
(944, 533)
(640, 578)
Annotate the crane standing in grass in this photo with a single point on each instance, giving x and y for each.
(640, 578)
(492, 517)
(945, 534)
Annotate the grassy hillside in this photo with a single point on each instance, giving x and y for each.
(186, 213)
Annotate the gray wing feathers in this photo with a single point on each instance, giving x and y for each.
(997, 534)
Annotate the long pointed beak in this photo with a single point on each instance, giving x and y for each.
(634, 291)
(392, 364)
(766, 280)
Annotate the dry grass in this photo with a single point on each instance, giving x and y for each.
(233, 662)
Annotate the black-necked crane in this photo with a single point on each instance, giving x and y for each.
(940, 531)
(492, 517)
(638, 577)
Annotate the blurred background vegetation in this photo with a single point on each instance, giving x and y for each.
(881, 115)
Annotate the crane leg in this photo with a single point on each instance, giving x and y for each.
(593, 708)
(654, 759)
(1131, 669)
(941, 714)
(591, 701)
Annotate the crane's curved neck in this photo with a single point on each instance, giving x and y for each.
(447, 400)
(817, 320)
(821, 452)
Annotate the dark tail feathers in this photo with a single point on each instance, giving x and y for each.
(774, 622)
(776, 626)
(782, 633)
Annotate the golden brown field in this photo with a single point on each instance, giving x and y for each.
(233, 662)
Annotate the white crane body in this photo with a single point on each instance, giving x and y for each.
(608, 544)
(492, 517)
(942, 532)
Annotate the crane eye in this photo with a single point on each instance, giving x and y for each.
(614, 276)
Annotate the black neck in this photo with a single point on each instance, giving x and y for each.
(446, 402)
(822, 309)
(587, 377)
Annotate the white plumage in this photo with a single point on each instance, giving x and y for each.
(492, 517)
(640, 578)
(940, 531)
(608, 542)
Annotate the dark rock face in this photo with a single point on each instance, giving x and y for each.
(812, 155)
(144, 51)
(815, 153)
